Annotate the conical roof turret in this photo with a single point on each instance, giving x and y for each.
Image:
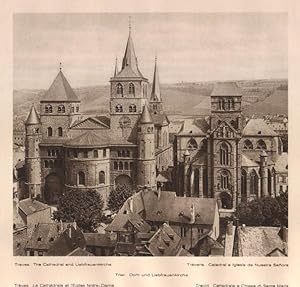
(146, 116)
(33, 117)
(155, 93)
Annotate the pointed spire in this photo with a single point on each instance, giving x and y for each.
(146, 116)
(116, 68)
(155, 94)
(33, 117)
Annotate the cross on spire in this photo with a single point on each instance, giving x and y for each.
(129, 24)
(60, 66)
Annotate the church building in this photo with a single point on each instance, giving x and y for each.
(66, 150)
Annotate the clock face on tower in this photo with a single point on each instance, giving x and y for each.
(124, 122)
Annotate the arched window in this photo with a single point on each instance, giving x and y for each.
(119, 108)
(261, 145)
(81, 178)
(60, 132)
(120, 165)
(224, 180)
(72, 109)
(248, 144)
(77, 109)
(244, 186)
(224, 154)
(115, 165)
(253, 183)
(131, 89)
(48, 109)
(132, 108)
(127, 153)
(61, 109)
(192, 144)
(49, 131)
(119, 90)
(104, 153)
(131, 165)
(269, 182)
(46, 164)
(95, 153)
(101, 177)
(126, 167)
(51, 165)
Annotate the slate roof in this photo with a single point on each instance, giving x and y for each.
(281, 164)
(89, 139)
(60, 90)
(172, 208)
(44, 235)
(155, 93)
(33, 117)
(258, 127)
(98, 240)
(19, 242)
(119, 223)
(30, 206)
(129, 64)
(259, 240)
(165, 242)
(66, 242)
(146, 117)
(198, 127)
(160, 119)
(247, 162)
(226, 89)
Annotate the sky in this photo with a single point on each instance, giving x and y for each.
(191, 47)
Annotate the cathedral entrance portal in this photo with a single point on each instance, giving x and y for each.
(123, 180)
(226, 200)
(53, 188)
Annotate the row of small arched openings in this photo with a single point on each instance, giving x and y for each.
(260, 145)
(60, 109)
(119, 109)
(123, 165)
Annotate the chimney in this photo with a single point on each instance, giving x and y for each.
(158, 192)
(284, 234)
(243, 227)
(192, 219)
(229, 228)
(75, 225)
(131, 204)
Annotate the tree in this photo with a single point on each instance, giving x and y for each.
(266, 211)
(84, 207)
(118, 196)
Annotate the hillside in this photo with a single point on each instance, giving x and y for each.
(260, 97)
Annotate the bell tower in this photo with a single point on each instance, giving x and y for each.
(128, 94)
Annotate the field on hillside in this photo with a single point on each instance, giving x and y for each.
(260, 97)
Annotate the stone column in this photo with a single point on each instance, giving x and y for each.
(201, 181)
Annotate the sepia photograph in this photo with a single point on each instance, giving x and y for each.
(150, 134)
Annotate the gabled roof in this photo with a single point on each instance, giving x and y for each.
(160, 119)
(89, 139)
(99, 240)
(196, 127)
(30, 206)
(258, 127)
(226, 89)
(247, 162)
(165, 242)
(259, 240)
(91, 123)
(60, 90)
(120, 221)
(79, 252)
(33, 117)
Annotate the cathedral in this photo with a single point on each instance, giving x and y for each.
(66, 150)
(226, 156)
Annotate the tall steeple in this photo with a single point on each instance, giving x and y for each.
(155, 94)
(130, 63)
